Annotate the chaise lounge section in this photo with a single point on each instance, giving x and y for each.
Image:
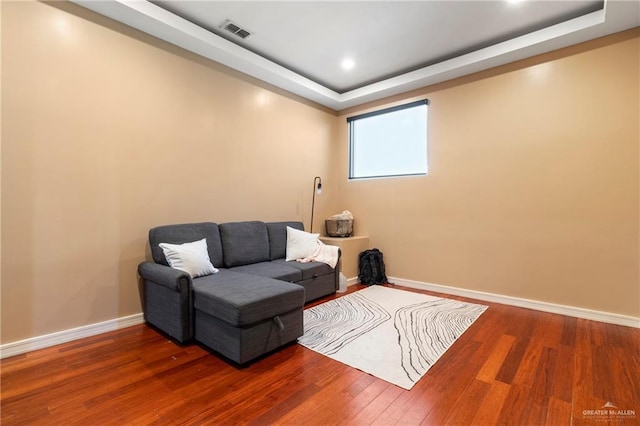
(251, 306)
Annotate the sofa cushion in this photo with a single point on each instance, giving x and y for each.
(242, 299)
(277, 271)
(278, 238)
(244, 243)
(186, 233)
(308, 270)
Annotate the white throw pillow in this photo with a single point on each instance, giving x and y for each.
(189, 257)
(300, 244)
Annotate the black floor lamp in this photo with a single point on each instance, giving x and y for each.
(317, 189)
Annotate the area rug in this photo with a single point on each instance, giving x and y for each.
(392, 334)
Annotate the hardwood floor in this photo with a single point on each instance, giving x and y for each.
(513, 366)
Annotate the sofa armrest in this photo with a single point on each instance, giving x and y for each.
(168, 300)
(173, 279)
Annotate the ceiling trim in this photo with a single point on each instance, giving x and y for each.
(616, 16)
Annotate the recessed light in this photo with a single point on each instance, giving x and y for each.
(348, 63)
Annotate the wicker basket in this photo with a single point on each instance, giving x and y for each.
(339, 227)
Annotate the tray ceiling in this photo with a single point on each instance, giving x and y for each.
(393, 46)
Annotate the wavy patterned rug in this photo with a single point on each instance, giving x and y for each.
(392, 334)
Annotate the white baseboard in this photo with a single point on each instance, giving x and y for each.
(41, 342)
(571, 311)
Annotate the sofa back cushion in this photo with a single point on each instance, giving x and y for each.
(244, 243)
(278, 238)
(186, 233)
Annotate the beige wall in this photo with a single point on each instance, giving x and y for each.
(532, 190)
(107, 133)
(533, 184)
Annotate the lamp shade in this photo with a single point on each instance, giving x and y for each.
(317, 189)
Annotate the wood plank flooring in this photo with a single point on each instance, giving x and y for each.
(513, 366)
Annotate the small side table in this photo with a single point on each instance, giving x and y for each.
(350, 248)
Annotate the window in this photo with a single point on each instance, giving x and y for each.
(389, 142)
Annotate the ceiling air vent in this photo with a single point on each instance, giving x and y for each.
(234, 29)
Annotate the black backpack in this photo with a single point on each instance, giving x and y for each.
(371, 265)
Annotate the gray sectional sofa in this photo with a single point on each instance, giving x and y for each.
(252, 305)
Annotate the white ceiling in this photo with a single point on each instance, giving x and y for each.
(396, 45)
(385, 38)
